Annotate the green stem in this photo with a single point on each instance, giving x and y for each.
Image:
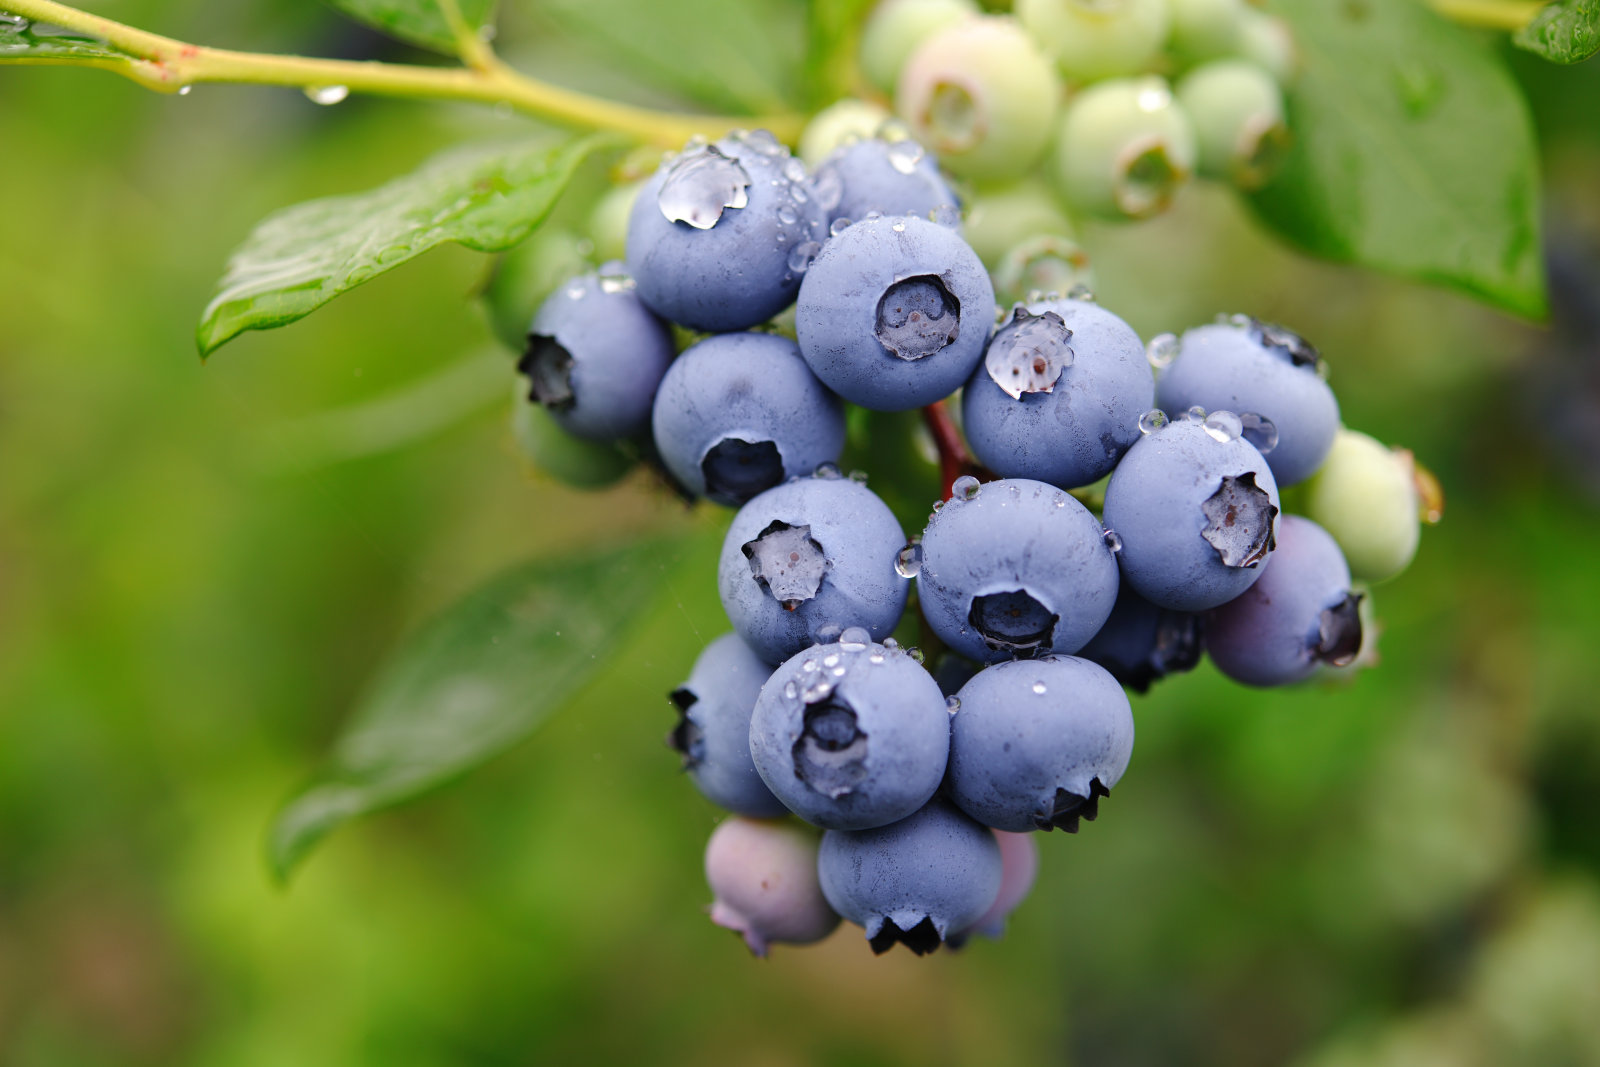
(167, 65)
(1507, 15)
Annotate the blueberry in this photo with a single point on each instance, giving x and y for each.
(1141, 643)
(887, 177)
(1194, 506)
(525, 276)
(840, 123)
(981, 94)
(763, 876)
(1015, 567)
(894, 313)
(1248, 366)
(1301, 613)
(1237, 111)
(1035, 744)
(914, 881)
(1019, 864)
(713, 731)
(1124, 149)
(851, 735)
(1091, 41)
(1058, 395)
(738, 413)
(1366, 497)
(719, 236)
(594, 356)
(895, 29)
(807, 560)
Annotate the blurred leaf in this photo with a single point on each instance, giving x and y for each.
(1567, 31)
(734, 55)
(1413, 152)
(833, 42)
(300, 258)
(24, 40)
(470, 684)
(421, 22)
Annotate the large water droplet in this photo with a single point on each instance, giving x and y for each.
(327, 95)
(1113, 540)
(1194, 414)
(1152, 420)
(952, 703)
(1260, 431)
(916, 654)
(1223, 426)
(1029, 353)
(908, 564)
(787, 215)
(838, 226)
(965, 487)
(802, 255)
(905, 155)
(700, 185)
(1162, 350)
(855, 639)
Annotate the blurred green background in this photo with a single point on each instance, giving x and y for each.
(200, 566)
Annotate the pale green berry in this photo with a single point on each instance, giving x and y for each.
(837, 124)
(1000, 217)
(1093, 39)
(895, 29)
(567, 459)
(1044, 263)
(525, 275)
(1206, 29)
(1237, 112)
(1267, 41)
(1365, 496)
(981, 95)
(1124, 149)
(608, 224)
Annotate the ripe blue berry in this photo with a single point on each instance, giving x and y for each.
(1248, 366)
(594, 356)
(914, 881)
(763, 876)
(886, 177)
(1195, 507)
(851, 735)
(1058, 395)
(1015, 567)
(1299, 614)
(1141, 643)
(1035, 744)
(807, 560)
(894, 313)
(1124, 149)
(717, 239)
(738, 413)
(713, 731)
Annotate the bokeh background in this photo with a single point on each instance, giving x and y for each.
(200, 566)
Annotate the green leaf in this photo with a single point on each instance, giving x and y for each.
(21, 39)
(1567, 31)
(471, 683)
(298, 259)
(421, 22)
(1413, 152)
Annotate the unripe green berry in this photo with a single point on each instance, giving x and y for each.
(1364, 495)
(846, 120)
(1093, 39)
(1206, 29)
(1000, 217)
(1237, 112)
(1124, 149)
(981, 95)
(527, 274)
(567, 459)
(1045, 263)
(895, 29)
(1267, 41)
(608, 223)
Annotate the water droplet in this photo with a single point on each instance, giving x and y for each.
(890, 643)
(1152, 420)
(965, 487)
(916, 655)
(828, 633)
(764, 142)
(827, 472)
(952, 703)
(859, 477)
(827, 187)
(794, 170)
(946, 215)
(1039, 688)
(1162, 350)
(875, 657)
(938, 505)
(186, 90)
(327, 95)
(831, 659)
(1260, 431)
(905, 155)
(908, 564)
(787, 215)
(818, 689)
(791, 689)
(1238, 319)
(1223, 426)
(1113, 540)
(1194, 414)
(855, 639)
(797, 193)
(899, 227)
(614, 278)
(1081, 293)
(701, 183)
(838, 672)
(1029, 353)
(838, 226)
(802, 255)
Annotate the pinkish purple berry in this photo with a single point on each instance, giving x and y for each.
(763, 874)
(1019, 863)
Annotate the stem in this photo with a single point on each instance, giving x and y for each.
(954, 459)
(1508, 15)
(167, 65)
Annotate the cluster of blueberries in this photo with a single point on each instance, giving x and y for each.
(930, 776)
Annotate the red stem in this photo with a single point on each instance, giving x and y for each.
(954, 459)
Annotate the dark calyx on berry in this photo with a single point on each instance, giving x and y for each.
(1070, 807)
(787, 562)
(830, 754)
(736, 470)
(686, 738)
(1013, 621)
(917, 317)
(1339, 632)
(548, 366)
(922, 938)
(1239, 521)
